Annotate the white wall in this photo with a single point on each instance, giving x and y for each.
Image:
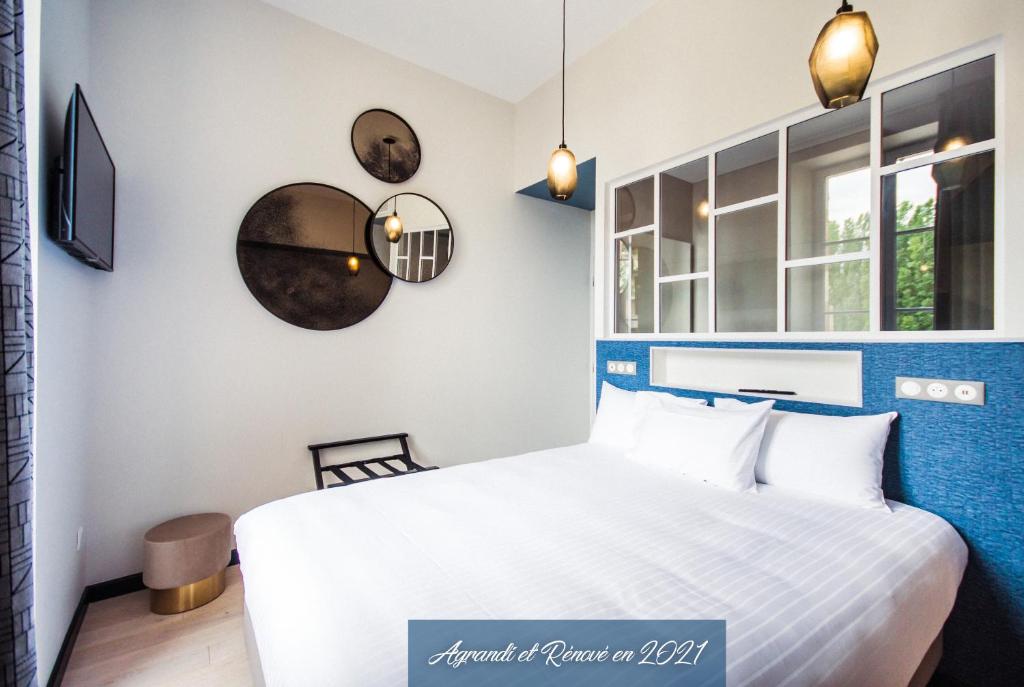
(686, 74)
(65, 296)
(199, 399)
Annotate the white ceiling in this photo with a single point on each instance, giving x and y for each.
(503, 47)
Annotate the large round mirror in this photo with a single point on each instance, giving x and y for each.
(302, 252)
(411, 237)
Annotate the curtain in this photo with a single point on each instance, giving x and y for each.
(17, 640)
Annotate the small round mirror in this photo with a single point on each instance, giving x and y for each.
(411, 237)
(385, 145)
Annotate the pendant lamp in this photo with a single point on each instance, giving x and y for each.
(843, 57)
(562, 165)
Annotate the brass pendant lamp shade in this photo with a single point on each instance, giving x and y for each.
(562, 165)
(843, 57)
(393, 225)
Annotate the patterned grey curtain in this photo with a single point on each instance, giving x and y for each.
(17, 638)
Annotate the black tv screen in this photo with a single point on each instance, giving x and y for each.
(86, 226)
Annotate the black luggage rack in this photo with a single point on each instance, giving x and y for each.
(384, 462)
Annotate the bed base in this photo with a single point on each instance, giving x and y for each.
(253, 653)
(925, 671)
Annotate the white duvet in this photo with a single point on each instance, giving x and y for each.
(812, 593)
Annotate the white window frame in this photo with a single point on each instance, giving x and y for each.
(990, 48)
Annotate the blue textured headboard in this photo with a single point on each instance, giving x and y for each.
(964, 463)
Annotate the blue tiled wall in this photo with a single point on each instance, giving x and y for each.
(964, 463)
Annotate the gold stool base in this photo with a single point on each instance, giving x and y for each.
(188, 596)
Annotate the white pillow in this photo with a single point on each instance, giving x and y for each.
(703, 443)
(619, 412)
(838, 458)
(648, 399)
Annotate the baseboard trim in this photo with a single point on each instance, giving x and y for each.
(60, 666)
(101, 591)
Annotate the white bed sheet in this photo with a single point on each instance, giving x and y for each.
(813, 593)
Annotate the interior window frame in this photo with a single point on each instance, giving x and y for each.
(874, 252)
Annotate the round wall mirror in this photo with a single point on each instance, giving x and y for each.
(411, 237)
(302, 252)
(385, 145)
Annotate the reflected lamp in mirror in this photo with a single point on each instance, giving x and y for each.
(425, 239)
(842, 58)
(393, 225)
(386, 146)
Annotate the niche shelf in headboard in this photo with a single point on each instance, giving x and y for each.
(811, 376)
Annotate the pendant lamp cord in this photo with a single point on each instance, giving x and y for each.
(563, 73)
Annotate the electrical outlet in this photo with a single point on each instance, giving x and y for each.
(942, 390)
(621, 367)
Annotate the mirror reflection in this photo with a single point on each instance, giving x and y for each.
(411, 237)
(301, 251)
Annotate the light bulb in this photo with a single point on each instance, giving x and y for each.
(353, 265)
(954, 143)
(562, 173)
(702, 209)
(393, 227)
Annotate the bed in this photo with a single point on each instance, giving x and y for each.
(813, 593)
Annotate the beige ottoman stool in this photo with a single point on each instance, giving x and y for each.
(185, 561)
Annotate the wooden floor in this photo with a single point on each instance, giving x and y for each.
(122, 643)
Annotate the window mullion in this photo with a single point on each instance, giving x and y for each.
(875, 225)
(712, 251)
(781, 229)
(656, 272)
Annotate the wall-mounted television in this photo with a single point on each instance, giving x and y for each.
(85, 190)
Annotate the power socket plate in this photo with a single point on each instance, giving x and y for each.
(941, 390)
(621, 367)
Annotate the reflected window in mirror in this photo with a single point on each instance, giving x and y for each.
(422, 248)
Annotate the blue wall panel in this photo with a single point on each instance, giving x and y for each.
(964, 463)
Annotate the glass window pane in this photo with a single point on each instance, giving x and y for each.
(828, 298)
(634, 205)
(749, 170)
(414, 256)
(684, 219)
(938, 232)
(745, 269)
(829, 183)
(943, 112)
(634, 283)
(444, 243)
(684, 306)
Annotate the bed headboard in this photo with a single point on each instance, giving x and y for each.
(965, 463)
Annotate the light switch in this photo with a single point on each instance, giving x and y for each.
(942, 390)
